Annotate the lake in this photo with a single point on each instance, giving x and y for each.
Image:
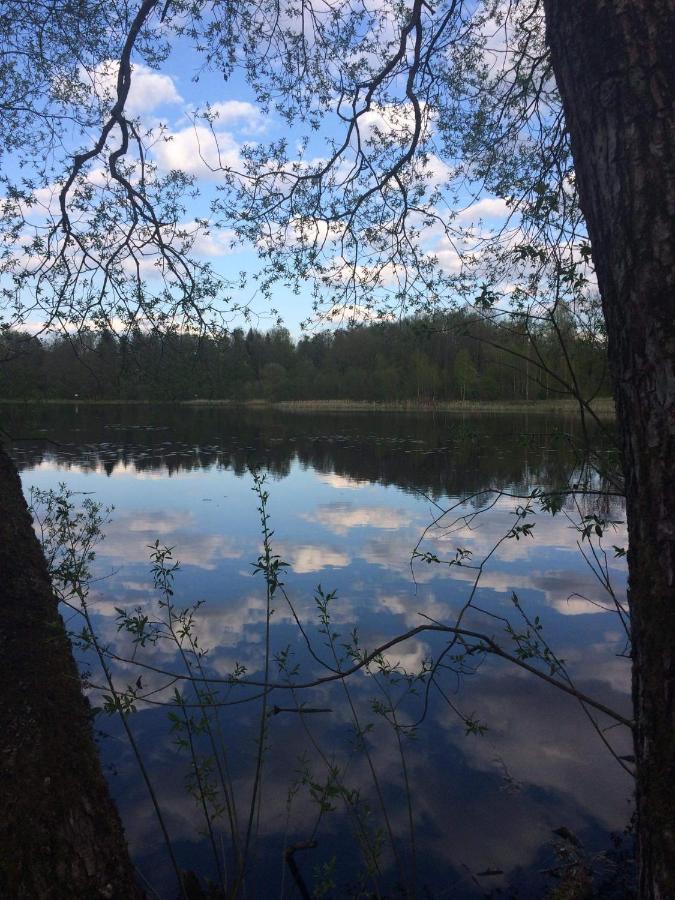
(465, 803)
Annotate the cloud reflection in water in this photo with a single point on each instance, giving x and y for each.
(480, 802)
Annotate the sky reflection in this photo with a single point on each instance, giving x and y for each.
(350, 500)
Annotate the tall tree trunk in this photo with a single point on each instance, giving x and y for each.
(60, 833)
(614, 61)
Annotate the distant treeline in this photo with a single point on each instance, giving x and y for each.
(456, 356)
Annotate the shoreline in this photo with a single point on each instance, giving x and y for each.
(602, 406)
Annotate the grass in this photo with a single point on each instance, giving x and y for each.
(55, 401)
(602, 406)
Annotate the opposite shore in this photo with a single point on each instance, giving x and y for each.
(602, 406)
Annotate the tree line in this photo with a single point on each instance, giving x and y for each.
(453, 356)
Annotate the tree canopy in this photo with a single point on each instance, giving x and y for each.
(409, 123)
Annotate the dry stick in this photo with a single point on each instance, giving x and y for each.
(603, 578)
(269, 575)
(563, 669)
(406, 780)
(468, 604)
(163, 581)
(222, 765)
(289, 855)
(362, 835)
(602, 575)
(202, 799)
(200, 785)
(485, 644)
(362, 738)
(148, 887)
(361, 831)
(132, 742)
(466, 520)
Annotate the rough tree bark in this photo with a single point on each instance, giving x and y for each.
(614, 62)
(60, 833)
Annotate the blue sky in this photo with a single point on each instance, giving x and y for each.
(168, 101)
(171, 97)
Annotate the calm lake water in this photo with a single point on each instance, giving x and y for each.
(350, 497)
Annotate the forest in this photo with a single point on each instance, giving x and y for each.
(447, 357)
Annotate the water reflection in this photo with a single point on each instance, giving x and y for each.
(439, 454)
(340, 517)
(350, 498)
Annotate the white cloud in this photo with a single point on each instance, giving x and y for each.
(214, 242)
(410, 607)
(449, 257)
(145, 587)
(340, 517)
(435, 170)
(353, 313)
(241, 113)
(307, 558)
(487, 208)
(455, 252)
(340, 482)
(196, 150)
(161, 523)
(395, 121)
(129, 535)
(223, 624)
(149, 89)
(409, 658)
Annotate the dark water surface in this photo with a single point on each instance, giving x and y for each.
(350, 496)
